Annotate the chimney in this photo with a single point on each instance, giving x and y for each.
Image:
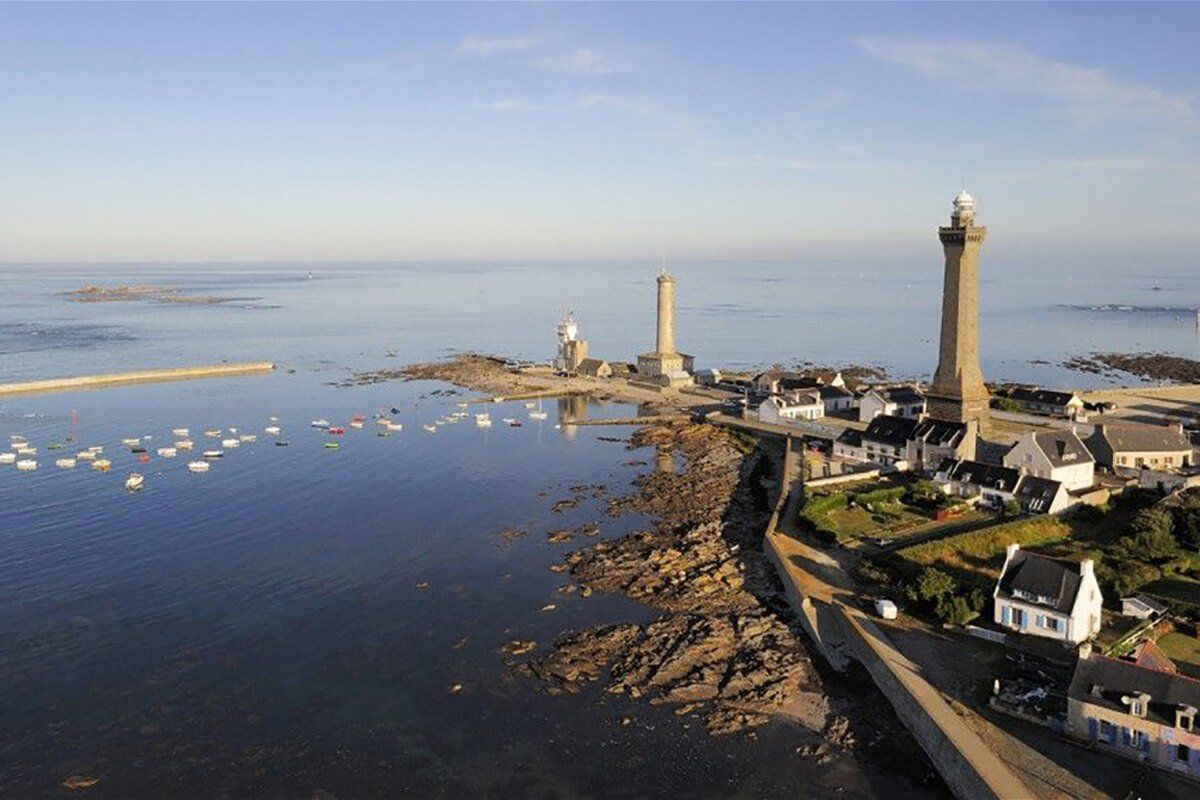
(1085, 651)
(1011, 551)
(1086, 568)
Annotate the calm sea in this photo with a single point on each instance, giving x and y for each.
(265, 629)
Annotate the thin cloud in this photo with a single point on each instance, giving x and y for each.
(634, 105)
(485, 47)
(1086, 94)
(506, 104)
(584, 61)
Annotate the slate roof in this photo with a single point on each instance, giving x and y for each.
(892, 431)
(901, 395)
(1029, 575)
(940, 432)
(851, 437)
(1104, 681)
(1041, 396)
(591, 364)
(1063, 448)
(833, 392)
(1037, 493)
(1143, 438)
(986, 475)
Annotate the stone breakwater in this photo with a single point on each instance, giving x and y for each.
(142, 376)
(719, 649)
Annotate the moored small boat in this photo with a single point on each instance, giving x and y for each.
(430, 428)
(144, 458)
(56, 446)
(516, 423)
(357, 424)
(320, 423)
(213, 453)
(332, 445)
(272, 430)
(382, 421)
(180, 432)
(335, 431)
(134, 482)
(167, 452)
(27, 465)
(131, 441)
(138, 449)
(86, 455)
(231, 443)
(198, 466)
(282, 443)
(102, 465)
(8, 458)
(395, 427)
(65, 463)
(27, 451)
(213, 433)
(248, 437)
(185, 444)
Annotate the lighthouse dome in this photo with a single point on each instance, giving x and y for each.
(964, 200)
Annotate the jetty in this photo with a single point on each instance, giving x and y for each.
(106, 380)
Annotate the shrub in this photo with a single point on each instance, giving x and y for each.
(955, 610)
(1011, 508)
(1123, 577)
(931, 585)
(1005, 404)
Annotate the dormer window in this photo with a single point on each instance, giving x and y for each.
(1185, 717)
(1138, 703)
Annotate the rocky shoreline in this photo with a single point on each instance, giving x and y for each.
(1147, 366)
(717, 650)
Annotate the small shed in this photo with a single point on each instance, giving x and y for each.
(595, 368)
(1141, 607)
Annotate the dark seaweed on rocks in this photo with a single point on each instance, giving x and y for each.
(717, 649)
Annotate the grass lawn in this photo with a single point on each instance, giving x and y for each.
(1181, 648)
(858, 521)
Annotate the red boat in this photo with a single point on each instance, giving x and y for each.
(144, 457)
(335, 431)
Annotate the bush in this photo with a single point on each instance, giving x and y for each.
(955, 610)
(1011, 508)
(1005, 404)
(1123, 577)
(924, 494)
(931, 585)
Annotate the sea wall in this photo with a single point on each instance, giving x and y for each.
(141, 376)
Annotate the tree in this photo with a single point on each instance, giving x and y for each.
(1153, 535)
(1012, 508)
(931, 585)
(955, 610)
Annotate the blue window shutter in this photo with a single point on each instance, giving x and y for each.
(1093, 728)
(1005, 615)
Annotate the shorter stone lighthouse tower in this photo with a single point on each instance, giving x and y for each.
(665, 366)
(957, 393)
(571, 349)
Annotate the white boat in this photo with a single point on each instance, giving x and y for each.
(21, 445)
(184, 444)
(233, 431)
(102, 465)
(430, 428)
(357, 424)
(483, 421)
(320, 423)
(395, 426)
(167, 452)
(531, 404)
(132, 441)
(509, 420)
(538, 414)
(463, 405)
(65, 463)
(213, 433)
(27, 451)
(213, 453)
(8, 458)
(179, 432)
(273, 419)
(134, 481)
(383, 421)
(248, 437)
(229, 444)
(86, 455)
(198, 466)
(16, 437)
(27, 465)
(272, 430)
(95, 449)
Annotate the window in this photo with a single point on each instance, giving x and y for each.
(1108, 730)
(1182, 752)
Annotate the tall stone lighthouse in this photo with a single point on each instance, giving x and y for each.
(665, 366)
(957, 393)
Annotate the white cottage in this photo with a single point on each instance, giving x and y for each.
(896, 401)
(1055, 455)
(1048, 597)
(791, 406)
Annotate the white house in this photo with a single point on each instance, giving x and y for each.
(896, 401)
(1048, 597)
(836, 397)
(994, 485)
(784, 408)
(907, 442)
(1056, 455)
(1046, 401)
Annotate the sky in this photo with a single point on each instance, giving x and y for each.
(387, 131)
